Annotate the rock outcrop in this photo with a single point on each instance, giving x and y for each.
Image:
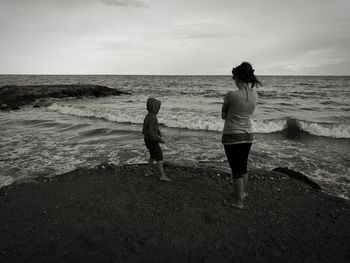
(297, 176)
(12, 97)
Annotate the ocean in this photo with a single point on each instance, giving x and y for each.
(84, 132)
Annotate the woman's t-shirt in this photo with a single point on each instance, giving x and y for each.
(238, 107)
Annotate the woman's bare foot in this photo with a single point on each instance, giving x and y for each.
(232, 195)
(237, 205)
(234, 204)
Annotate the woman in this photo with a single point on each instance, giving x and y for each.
(237, 135)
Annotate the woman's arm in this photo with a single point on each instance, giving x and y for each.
(225, 107)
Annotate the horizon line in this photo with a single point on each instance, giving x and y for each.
(109, 74)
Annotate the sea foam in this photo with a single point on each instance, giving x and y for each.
(198, 120)
(333, 130)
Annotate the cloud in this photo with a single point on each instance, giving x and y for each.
(207, 29)
(124, 3)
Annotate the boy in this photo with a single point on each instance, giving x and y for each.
(152, 136)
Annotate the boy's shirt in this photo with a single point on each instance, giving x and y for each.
(150, 124)
(151, 128)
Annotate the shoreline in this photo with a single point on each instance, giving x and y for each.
(114, 213)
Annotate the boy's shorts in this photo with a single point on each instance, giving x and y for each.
(154, 150)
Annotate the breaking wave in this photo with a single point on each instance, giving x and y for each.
(197, 121)
(334, 130)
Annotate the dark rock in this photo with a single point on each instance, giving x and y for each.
(11, 97)
(42, 103)
(4, 107)
(293, 131)
(297, 176)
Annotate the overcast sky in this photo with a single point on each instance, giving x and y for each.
(279, 37)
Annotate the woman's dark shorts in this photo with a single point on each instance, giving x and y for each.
(237, 156)
(154, 150)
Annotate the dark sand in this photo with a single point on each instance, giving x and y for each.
(118, 215)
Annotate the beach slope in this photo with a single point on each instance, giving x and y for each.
(115, 214)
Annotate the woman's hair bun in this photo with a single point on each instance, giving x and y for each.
(245, 73)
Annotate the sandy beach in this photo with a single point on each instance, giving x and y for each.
(115, 214)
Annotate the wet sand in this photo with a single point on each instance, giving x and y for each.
(115, 214)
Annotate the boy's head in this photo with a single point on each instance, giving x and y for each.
(153, 105)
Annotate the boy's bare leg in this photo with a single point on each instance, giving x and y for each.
(148, 171)
(161, 170)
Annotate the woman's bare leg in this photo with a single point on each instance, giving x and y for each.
(238, 186)
(245, 181)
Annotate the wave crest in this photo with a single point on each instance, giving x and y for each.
(269, 126)
(334, 130)
(195, 121)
